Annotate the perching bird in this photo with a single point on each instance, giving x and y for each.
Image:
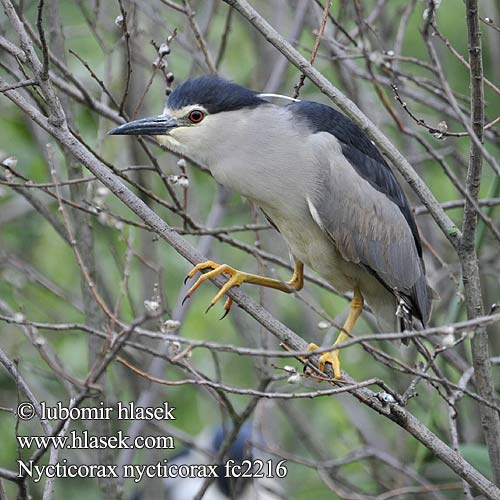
(319, 180)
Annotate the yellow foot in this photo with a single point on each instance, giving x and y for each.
(331, 357)
(236, 278)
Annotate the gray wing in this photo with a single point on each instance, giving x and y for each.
(369, 229)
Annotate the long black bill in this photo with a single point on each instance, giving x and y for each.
(155, 125)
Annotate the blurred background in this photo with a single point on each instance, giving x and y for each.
(120, 59)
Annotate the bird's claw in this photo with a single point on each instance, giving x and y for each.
(331, 357)
(236, 278)
(200, 267)
(227, 307)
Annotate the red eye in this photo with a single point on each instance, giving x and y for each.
(196, 116)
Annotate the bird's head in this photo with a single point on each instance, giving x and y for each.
(198, 115)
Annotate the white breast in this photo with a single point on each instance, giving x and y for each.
(313, 247)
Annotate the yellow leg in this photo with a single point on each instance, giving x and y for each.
(332, 357)
(236, 278)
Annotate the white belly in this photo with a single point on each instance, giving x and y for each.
(312, 247)
(309, 244)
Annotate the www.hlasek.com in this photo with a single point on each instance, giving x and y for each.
(87, 441)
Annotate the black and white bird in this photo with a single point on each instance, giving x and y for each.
(319, 180)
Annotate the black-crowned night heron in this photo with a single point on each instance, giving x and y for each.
(319, 180)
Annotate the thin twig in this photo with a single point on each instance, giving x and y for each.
(44, 75)
(317, 42)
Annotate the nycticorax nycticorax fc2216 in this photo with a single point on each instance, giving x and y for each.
(319, 180)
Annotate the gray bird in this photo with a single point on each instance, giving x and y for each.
(319, 180)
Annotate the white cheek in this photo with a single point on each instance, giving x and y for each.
(194, 139)
(188, 141)
(180, 134)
